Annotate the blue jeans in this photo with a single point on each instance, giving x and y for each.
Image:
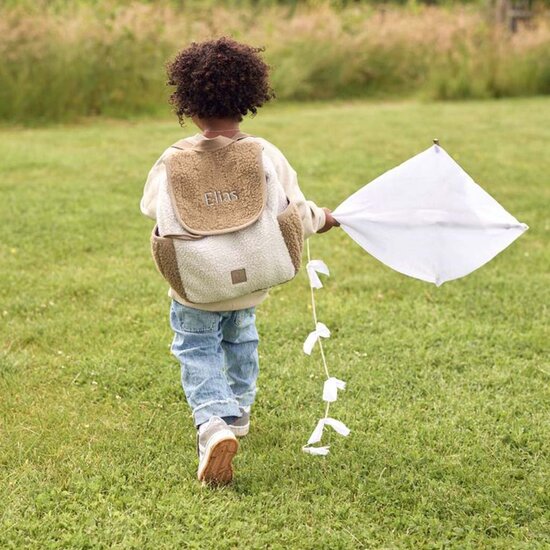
(218, 353)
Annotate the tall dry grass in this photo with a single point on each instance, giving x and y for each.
(109, 59)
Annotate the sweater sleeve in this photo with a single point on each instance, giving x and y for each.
(157, 174)
(313, 217)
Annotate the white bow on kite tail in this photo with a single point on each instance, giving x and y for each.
(332, 385)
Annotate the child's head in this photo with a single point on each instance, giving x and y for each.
(218, 79)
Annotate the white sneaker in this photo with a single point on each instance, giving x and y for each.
(216, 447)
(241, 426)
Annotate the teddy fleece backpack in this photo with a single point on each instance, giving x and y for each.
(224, 225)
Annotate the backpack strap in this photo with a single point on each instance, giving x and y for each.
(182, 144)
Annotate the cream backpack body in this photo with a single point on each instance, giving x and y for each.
(224, 225)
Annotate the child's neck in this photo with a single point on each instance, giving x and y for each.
(213, 127)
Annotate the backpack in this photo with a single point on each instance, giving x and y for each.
(225, 227)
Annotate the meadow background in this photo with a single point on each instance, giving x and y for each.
(448, 395)
(63, 60)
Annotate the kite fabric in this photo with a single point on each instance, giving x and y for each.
(428, 219)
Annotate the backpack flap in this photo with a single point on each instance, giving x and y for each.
(217, 191)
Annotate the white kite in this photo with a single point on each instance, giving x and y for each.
(426, 218)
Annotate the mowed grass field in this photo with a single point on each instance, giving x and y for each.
(448, 389)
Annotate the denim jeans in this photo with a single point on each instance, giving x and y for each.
(218, 353)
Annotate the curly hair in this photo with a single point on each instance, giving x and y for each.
(218, 79)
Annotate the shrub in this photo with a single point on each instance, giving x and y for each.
(73, 60)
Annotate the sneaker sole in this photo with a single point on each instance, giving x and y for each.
(217, 466)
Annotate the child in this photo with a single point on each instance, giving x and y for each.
(217, 83)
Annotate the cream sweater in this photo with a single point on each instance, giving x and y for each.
(313, 217)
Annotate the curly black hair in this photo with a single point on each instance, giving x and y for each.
(218, 78)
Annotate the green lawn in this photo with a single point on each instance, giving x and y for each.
(448, 389)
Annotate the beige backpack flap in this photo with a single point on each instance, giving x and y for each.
(217, 186)
(186, 144)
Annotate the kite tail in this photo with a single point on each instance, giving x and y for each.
(331, 385)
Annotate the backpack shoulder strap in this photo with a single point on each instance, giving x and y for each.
(241, 135)
(182, 144)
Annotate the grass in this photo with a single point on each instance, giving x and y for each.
(447, 397)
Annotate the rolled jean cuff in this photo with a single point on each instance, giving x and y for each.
(221, 408)
(246, 399)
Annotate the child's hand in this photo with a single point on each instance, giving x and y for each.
(330, 221)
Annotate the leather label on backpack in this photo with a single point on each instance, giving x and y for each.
(238, 276)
